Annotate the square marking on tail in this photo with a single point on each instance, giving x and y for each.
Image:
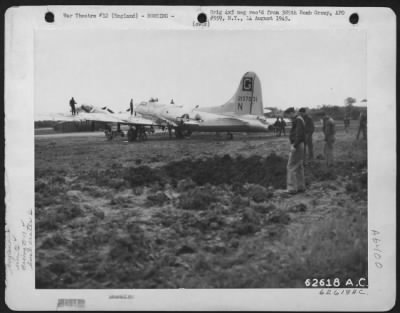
(247, 84)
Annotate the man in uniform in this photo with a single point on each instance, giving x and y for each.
(277, 127)
(329, 131)
(282, 127)
(295, 166)
(72, 105)
(309, 130)
(169, 131)
(363, 126)
(131, 106)
(346, 121)
(132, 134)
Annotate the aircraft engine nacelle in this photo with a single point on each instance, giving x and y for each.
(87, 108)
(262, 119)
(197, 117)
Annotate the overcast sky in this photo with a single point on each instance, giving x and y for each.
(196, 67)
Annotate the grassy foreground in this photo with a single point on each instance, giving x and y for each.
(196, 214)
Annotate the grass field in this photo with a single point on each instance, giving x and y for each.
(203, 212)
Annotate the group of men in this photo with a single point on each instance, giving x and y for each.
(301, 141)
(279, 126)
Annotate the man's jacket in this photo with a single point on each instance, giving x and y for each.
(297, 132)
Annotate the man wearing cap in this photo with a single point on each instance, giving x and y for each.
(328, 127)
(309, 130)
(131, 106)
(295, 166)
(72, 103)
(346, 121)
(282, 129)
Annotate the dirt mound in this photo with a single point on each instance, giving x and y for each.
(159, 198)
(52, 219)
(279, 217)
(53, 240)
(269, 171)
(266, 172)
(206, 221)
(318, 171)
(258, 193)
(142, 175)
(300, 207)
(358, 184)
(130, 246)
(197, 199)
(185, 184)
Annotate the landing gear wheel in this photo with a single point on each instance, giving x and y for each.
(187, 133)
(230, 136)
(142, 136)
(109, 135)
(182, 133)
(178, 133)
(132, 135)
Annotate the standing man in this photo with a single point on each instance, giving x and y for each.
(169, 131)
(277, 127)
(295, 166)
(131, 106)
(363, 126)
(346, 121)
(282, 127)
(72, 105)
(309, 130)
(329, 131)
(132, 134)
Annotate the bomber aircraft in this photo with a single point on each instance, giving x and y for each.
(244, 112)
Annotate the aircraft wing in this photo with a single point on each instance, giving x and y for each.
(169, 122)
(60, 117)
(158, 120)
(263, 120)
(96, 117)
(135, 120)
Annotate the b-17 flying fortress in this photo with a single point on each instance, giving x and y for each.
(244, 112)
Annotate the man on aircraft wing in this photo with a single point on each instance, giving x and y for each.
(72, 103)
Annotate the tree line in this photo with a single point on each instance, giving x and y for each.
(335, 111)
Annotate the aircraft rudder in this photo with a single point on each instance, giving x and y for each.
(248, 97)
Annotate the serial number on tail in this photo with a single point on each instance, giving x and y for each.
(247, 98)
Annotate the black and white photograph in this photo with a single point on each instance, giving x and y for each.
(202, 158)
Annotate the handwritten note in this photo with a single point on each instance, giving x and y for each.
(19, 244)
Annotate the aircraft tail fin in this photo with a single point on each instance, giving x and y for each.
(246, 100)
